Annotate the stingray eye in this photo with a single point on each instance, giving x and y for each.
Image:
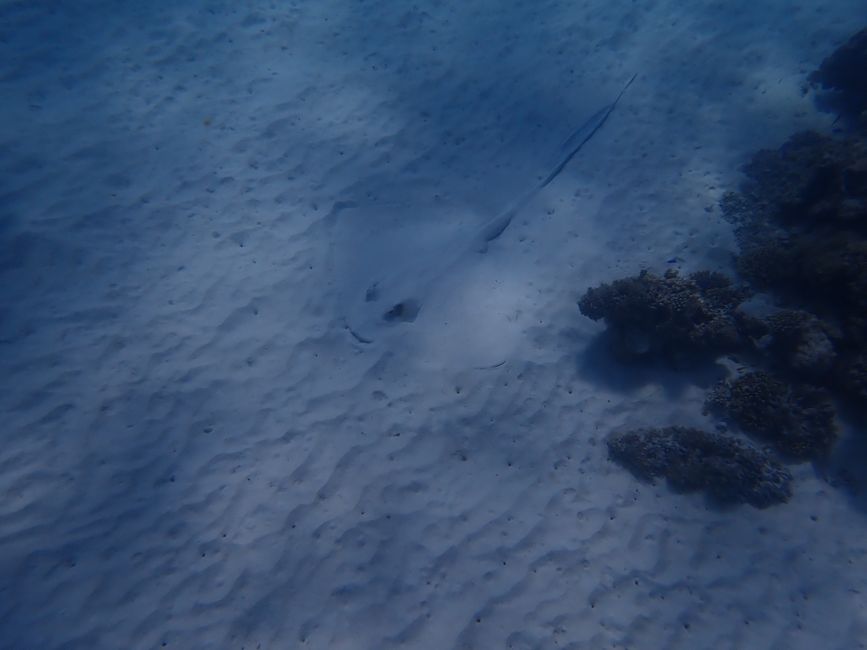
(405, 311)
(372, 292)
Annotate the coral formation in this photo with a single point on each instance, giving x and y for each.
(679, 319)
(801, 344)
(798, 420)
(809, 183)
(800, 218)
(842, 75)
(801, 222)
(727, 470)
(851, 378)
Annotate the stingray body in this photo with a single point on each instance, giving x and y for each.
(374, 300)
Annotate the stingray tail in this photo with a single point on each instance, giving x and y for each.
(582, 136)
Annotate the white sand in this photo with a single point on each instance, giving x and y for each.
(196, 452)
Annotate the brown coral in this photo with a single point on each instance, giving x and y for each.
(680, 319)
(798, 420)
(726, 469)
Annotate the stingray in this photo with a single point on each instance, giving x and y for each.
(375, 300)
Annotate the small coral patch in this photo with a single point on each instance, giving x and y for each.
(727, 470)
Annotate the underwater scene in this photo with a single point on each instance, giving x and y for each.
(377, 325)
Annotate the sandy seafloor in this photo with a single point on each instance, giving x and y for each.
(196, 452)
